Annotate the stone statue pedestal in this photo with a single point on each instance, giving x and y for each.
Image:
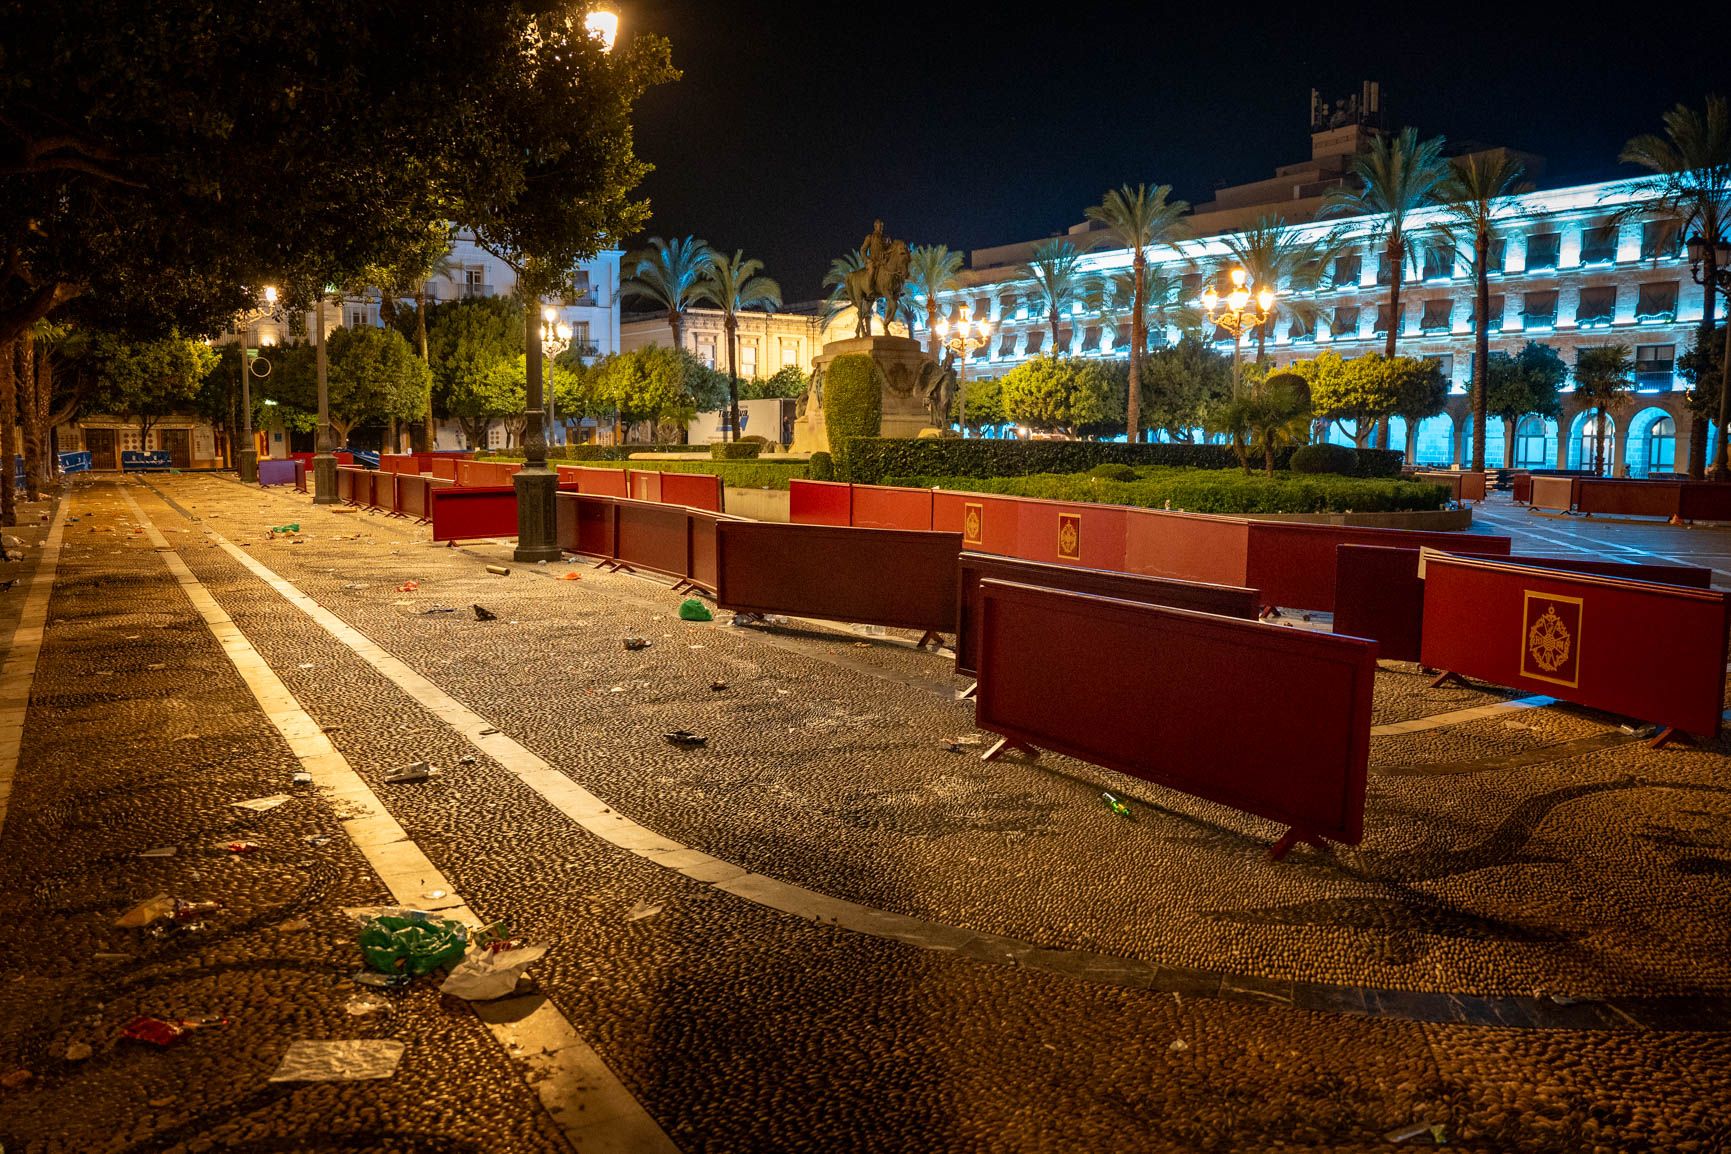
(904, 412)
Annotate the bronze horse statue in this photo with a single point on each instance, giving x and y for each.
(883, 276)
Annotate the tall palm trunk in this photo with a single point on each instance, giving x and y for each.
(1138, 341)
(8, 431)
(1396, 257)
(1054, 319)
(430, 431)
(27, 414)
(47, 462)
(1698, 426)
(1481, 346)
(676, 323)
(732, 327)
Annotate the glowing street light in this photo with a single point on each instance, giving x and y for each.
(1238, 317)
(968, 335)
(603, 24)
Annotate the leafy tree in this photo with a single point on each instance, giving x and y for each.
(1273, 414)
(373, 376)
(473, 343)
(1693, 160)
(1289, 262)
(671, 274)
(787, 381)
(1518, 384)
(1138, 219)
(148, 380)
(1702, 366)
(1056, 270)
(734, 284)
(985, 404)
(664, 386)
(1476, 196)
(1180, 383)
(1421, 392)
(1398, 176)
(1055, 392)
(1359, 390)
(1604, 377)
(932, 270)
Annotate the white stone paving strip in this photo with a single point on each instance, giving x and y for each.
(19, 672)
(594, 1109)
(1438, 720)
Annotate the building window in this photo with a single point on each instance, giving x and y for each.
(1007, 306)
(1308, 273)
(1662, 446)
(1654, 365)
(1303, 328)
(1090, 339)
(1445, 364)
(1539, 310)
(1657, 302)
(1345, 325)
(1383, 316)
(706, 350)
(1436, 316)
(1384, 271)
(1439, 262)
(748, 358)
(1007, 345)
(580, 335)
(1496, 256)
(495, 436)
(474, 281)
(1598, 306)
(1530, 444)
(1036, 340)
(1660, 240)
(130, 442)
(1542, 250)
(1347, 270)
(789, 354)
(581, 290)
(1599, 245)
(357, 318)
(1190, 286)
(1493, 314)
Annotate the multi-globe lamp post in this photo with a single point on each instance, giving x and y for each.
(1717, 277)
(536, 485)
(962, 338)
(1237, 317)
(266, 308)
(555, 339)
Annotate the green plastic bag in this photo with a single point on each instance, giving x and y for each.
(411, 942)
(691, 609)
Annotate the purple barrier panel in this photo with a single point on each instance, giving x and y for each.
(1272, 721)
(890, 577)
(463, 513)
(276, 473)
(1223, 600)
(819, 502)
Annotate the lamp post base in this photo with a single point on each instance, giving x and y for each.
(324, 479)
(537, 518)
(248, 465)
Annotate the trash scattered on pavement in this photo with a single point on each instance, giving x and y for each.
(414, 771)
(301, 777)
(686, 738)
(488, 731)
(294, 926)
(316, 838)
(146, 912)
(360, 1006)
(160, 851)
(78, 1051)
(643, 910)
(1434, 1132)
(380, 981)
(962, 744)
(1639, 730)
(571, 575)
(408, 587)
(348, 1060)
(1117, 807)
(165, 1031)
(484, 614)
(499, 570)
(430, 610)
(635, 643)
(717, 686)
(13, 1079)
(1178, 1044)
(487, 973)
(285, 530)
(691, 609)
(241, 846)
(748, 619)
(396, 940)
(261, 804)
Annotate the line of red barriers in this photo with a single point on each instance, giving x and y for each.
(1463, 484)
(674, 541)
(1631, 497)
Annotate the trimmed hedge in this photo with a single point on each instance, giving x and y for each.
(853, 398)
(1210, 491)
(611, 452)
(821, 467)
(739, 474)
(1324, 458)
(735, 450)
(871, 459)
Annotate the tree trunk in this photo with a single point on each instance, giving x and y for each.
(676, 324)
(27, 414)
(1138, 339)
(1412, 442)
(732, 329)
(1395, 255)
(1481, 346)
(1509, 427)
(1054, 320)
(431, 430)
(1698, 428)
(8, 431)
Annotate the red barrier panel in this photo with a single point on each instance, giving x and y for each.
(1628, 497)
(819, 503)
(1553, 493)
(586, 524)
(595, 481)
(343, 458)
(1639, 649)
(643, 485)
(889, 577)
(1705, 501)
(471, 514)
(1521, 488)
(1222, 600)
(301, 476)
(482, 474)
(1272, 721)
(891, 507)
(653, 537)
(399, 463)
(1071, 533)
(412, 498)
(444, 468)
(1187, 546)
(1293, 562)
(987, 524)
(350, 482)
(693, 490)
(1463, 485)
(384, 491)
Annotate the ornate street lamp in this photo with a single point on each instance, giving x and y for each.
(266, 308)
(1238, 317)
(962, 338)
(555, 339)
(1719, 273)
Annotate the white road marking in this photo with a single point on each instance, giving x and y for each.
(19, 672)
(1438, 720)
(593, 1108)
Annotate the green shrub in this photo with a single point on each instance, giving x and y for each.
(741, 474)
(735, 450)
(871, 460)
(592, 452)
(1323, 458)
(853, 398)
(821, 467)
(1112, 472)
(1210, 491)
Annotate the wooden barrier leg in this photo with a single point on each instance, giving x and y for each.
(1668, 736)
(967, 693)
(1003, 745)
(931, 635)
(1446, 678)
(1292, 837)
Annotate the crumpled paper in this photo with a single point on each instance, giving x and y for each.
(351, 1060)
(486, 974)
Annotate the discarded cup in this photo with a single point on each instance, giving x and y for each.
(635, 643)
(408, 587)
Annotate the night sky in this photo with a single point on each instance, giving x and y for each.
(972, 126)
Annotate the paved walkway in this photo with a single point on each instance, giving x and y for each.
(862, 940)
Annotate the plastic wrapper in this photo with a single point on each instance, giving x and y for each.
(348, 1060)
(488, 973)
(395, 940)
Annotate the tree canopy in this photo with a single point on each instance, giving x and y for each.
(147, 380)
(373, 375)
(1179, 384)
(1524, 382)
(1057, 393)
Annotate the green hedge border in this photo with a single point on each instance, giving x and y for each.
(871, 459)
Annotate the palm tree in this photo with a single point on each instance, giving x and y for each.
(1693, 160)
(1139, 219)
(734, 284)
(1398, 176)
(1056, 269)
(670, 273)
(933, 272)
(1288, 261)
(1476, 197)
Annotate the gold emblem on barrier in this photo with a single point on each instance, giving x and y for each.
(973, 519)
(1070, 536)
(1551, 638)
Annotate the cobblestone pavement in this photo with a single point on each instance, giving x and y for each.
(863, 941)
